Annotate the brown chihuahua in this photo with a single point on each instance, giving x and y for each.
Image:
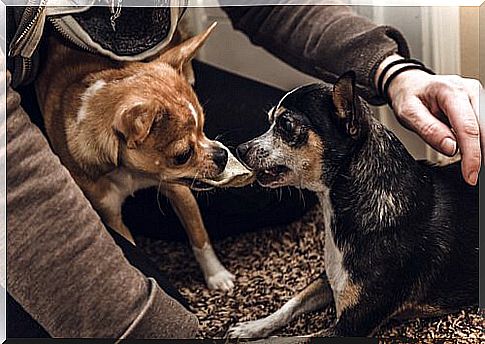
(119, 127)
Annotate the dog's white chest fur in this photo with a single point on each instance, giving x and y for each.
(123, 184)
(338, 276)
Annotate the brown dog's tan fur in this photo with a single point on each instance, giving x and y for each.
(119, 127)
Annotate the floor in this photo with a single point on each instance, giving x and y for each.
(270, 266)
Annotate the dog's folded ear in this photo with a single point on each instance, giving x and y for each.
(346, 104)
(183, 53)
(135, 122)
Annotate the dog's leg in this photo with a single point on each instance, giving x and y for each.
(185, 205)
(116, 223)
(108, 206)
(316, 295)
(366, 316)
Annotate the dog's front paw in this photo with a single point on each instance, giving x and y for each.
(250, 329)
(221, 280)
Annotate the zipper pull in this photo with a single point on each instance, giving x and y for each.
(29, 33)
(115, 8)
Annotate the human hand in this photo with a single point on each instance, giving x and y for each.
(444, 111)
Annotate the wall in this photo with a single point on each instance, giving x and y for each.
(232, 50)
(469, 39)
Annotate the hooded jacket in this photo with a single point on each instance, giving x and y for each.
(323, 41)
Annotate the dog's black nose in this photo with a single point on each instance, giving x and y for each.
(241, 151)
(219, 156)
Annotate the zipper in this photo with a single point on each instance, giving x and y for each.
(31, 27)
(65, 30)
(28, 35)
(78, 43)
(26, 69)
(115, 8)
(31, 24)
(21, 48)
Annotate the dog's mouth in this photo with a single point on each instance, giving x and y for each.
(272, 176)
(196, 184)
(235, 174)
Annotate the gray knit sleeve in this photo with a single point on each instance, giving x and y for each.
(63, 267)
(323, 41)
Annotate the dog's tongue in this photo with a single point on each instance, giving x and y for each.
(234, 175)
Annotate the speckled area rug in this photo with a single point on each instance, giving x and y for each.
(270, 266)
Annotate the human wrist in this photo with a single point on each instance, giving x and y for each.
(393, 68)
(383, 65)
(402, 82)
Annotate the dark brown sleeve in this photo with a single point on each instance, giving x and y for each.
(323, 41)
(62, 265)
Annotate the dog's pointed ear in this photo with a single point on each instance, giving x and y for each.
(346, 104)
(183, 53)
(134, 123)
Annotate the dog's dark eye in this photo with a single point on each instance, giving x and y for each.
(286, 125)
(182, 159)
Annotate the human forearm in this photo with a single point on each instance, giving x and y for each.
(324, 41)
(63, 267)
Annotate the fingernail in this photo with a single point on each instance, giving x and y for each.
(473, 178)
(449, 145)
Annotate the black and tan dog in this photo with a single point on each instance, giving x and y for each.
(401, 235)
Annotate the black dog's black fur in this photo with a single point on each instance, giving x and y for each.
(409, 229)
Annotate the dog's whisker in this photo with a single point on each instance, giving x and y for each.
(225, 137)
(275, 191)
(158, 197)
(194, 179)
(207, 101)
(302, 197)
(207, 198)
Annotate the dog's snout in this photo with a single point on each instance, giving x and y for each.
(219, 156)
(241, 151)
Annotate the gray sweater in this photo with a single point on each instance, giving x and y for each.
(65, 269)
